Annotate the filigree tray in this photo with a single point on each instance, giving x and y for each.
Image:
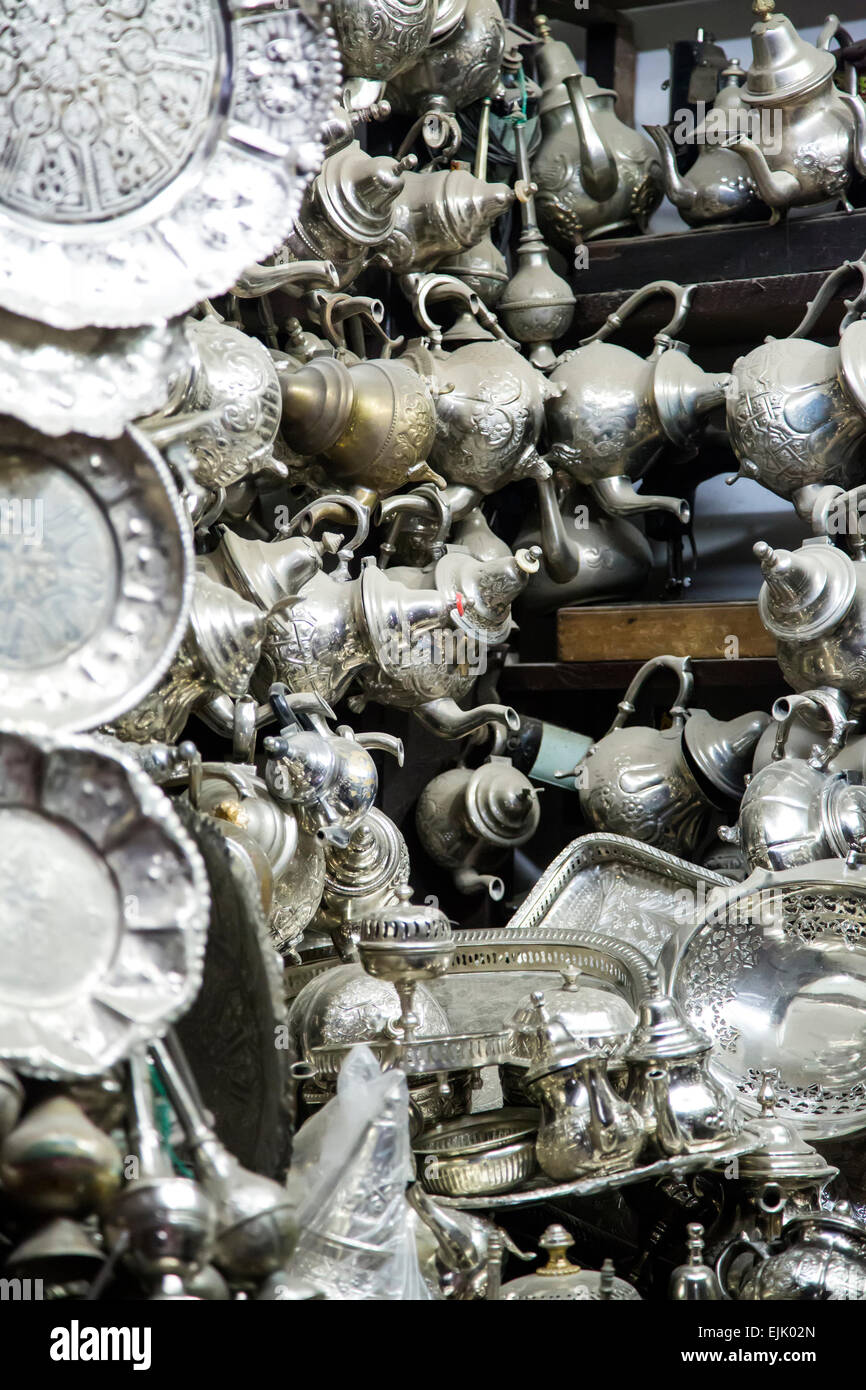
(151, 150)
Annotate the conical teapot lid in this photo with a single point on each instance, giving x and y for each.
(782, 1152)
(784, 65)
(723, 750)
(556, 62)
(806, 592)
(662, 1029)
(503, 802)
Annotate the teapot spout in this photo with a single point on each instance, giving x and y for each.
(446, 719)
(669, 1135)
(681, 193)
(469, 880)
(618, 497)
(777, 188)
(598, 172)
(561, 558)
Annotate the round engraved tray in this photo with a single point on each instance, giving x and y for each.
(541, 1189)
(95, 575)
(103, 907)
(776, 976)
(151, 150)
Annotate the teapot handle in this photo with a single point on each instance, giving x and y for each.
(682, 297)
(827, 292)
(834, 705)
(832, 29)
(682, 665)
(435, 286)
(737, 1246)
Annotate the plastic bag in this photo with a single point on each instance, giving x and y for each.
(351, 1164)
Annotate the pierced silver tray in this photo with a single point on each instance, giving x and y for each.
(151, 150)
(776, 976)
(96, 572)
(424, 1056)
(622, 888)
(541, 1189)
(103, 907)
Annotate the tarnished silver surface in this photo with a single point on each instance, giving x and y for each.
(775, 974)
(90, 379)
(95, 576)
(128, 197)
(103, 907)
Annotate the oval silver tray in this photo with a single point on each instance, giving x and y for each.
(425, 1056)
(151, 151)
(103, 907)
(96, 573)
(776, 976)
(541, 1189)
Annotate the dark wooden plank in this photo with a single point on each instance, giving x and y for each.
(638, 631)
(559, 677)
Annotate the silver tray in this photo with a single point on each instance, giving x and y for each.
(425, 1056)
(95, 380)
(151, 150)
(621, 888)
(541, 1189)
(776, 976)
(103, 907)
(96, 572)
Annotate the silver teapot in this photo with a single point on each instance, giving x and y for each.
(795, 810)
(818, 1256)
(439, 212)
(796, 409)
(664, 786)
(360, 877)
(595, 175)
(718, 188)
(683, 1107)
(469, 820)
(560, 1278)
(379, 38)
(601, 557)
(812, 136)
(462, 66)
(483, 268)
(813, 601)
(615, 411)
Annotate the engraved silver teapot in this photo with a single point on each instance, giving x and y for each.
(796, 409)
(812, 136)
(718, 188)
(795, 810)
(560, 1278)
(462, 66)
(440, 212)
(663, 786)
(361, 876)
(616, 411)
(468, 820)
(379, 38)
(818, 1256)
(595, 175)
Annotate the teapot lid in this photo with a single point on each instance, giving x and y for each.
(556, 62)
(723, 750)
(553, 1046)
(502, 802)
(405, 922)
(782, 1152)
(806, 592)
(784, 65)
(586, 1011)
(662, 1029)
(559, 1278)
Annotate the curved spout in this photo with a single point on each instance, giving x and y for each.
(669, 1133)
(681, 193)
(858, 111)
(777, 188)
(446, 719)
(262, 279)
(386, 743)
(598, 172)
(618, 497)
(468, 880)
(561, 559)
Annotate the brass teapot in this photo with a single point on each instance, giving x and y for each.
(595, 175)
(796, 409)
(615, 411)
(812, 137)
(718, 188)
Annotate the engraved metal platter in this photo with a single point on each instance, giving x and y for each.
(776, 976)
(541, 1189)
(151, 150)
(95, 380)
(622, 888)
(231, 1033)
(103, 907)
(96, 572)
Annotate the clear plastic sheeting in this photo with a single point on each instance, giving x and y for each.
(350, 1168)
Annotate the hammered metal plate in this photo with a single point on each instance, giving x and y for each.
(103, 907)
(150, 150)
(622, 888)
(776, 976)
(95, 380)
(96, 573)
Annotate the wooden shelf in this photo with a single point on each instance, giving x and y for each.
(562, 677)
(638, 631)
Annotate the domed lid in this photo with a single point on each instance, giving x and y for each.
(782, 1152)
(806, 592)
(662, 1029)
(784, 65)
(723, 749)
(346, 1005)
(559, 1278)
(552, 1046)
(502, 803)
(556, 62)
(588, 1013)
(404, 922)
